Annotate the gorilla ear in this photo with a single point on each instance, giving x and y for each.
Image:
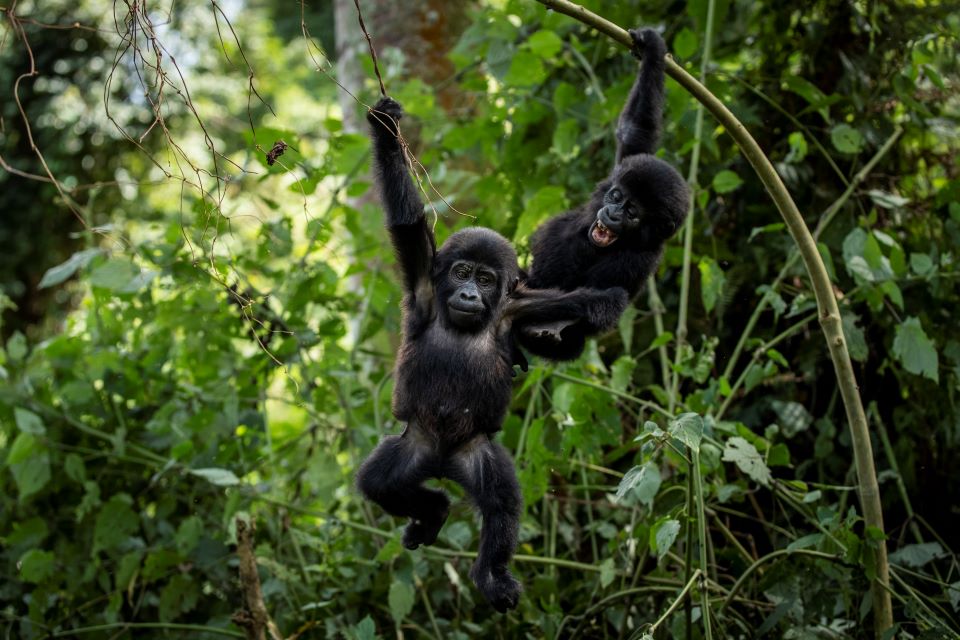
(512, 286)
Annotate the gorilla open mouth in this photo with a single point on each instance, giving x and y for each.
(601, 235)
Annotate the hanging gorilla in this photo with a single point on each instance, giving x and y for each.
(454, 369)
(616, 239)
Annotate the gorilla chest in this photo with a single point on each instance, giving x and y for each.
(455, 379)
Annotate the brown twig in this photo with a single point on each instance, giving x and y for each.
(253, 617)
(373, 52)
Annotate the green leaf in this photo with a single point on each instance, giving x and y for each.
(364, 630)
(544, 203)
(608, 573)
(79, 260)
(856, 342)
(712, 280)
(887, 200)
(114, 274)
(115, 523)
(188, 534)
(526, 70)
(36, 566)
(400, 600)
(779, 456)
(625, 327)
(545, 44)
(915, 350)
(390, 550)
(846, 139)
(921, 264)
(726, 181)
(644, 481)
(566, 138)
(748, 459)
(28, 422)
(621, 373)
(664, 535)
(128, 568)
(74, 467)
(219, 477)
(805, 542)
(685, 43)
(804, 88)
(798, 148)
(661, 340)
(793, 416)
(29, 462)
(178, 597)
(17, 346)
(688, 429)
(953, 592)
(917, 555)
(767, 228)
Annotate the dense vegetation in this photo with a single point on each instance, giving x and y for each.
(191, 335)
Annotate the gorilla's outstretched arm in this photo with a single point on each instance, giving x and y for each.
(598, 308)
(638, 130)
(411, 236)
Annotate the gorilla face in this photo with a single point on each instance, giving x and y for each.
(619, 215)
(471, 289)
(472, 273)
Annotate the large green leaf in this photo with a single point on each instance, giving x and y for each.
(915, 350)
(115, 523)
(400, 600)
(79, 260)
(748, 459)
(29, 461)
(644, 481)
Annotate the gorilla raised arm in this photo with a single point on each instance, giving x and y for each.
(616, 239)
(454, 369)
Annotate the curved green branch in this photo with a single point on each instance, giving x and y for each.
(828, 311)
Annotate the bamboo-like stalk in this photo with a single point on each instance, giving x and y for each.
(694, 182)
(828, 311)
(705, 612)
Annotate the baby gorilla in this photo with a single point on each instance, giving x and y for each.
(616, 239)
(454, 369)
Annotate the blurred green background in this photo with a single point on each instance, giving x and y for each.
(191, 335)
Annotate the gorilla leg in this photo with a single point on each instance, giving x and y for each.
(391, 477)
(486, 472)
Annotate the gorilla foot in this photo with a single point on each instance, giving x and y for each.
(425, 532)
(499, 587)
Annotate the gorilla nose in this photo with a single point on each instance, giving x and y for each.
(469, 296)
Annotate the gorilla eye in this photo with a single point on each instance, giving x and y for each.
(484, 279)
(615, 195)
(462, 272)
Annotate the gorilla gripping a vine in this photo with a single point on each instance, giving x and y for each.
(464, 310)
(615, 239)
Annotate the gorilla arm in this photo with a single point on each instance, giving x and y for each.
(412, 238)
(545, 313)
(638, 130)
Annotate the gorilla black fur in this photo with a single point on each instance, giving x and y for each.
(454, 369)
(616, 239)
